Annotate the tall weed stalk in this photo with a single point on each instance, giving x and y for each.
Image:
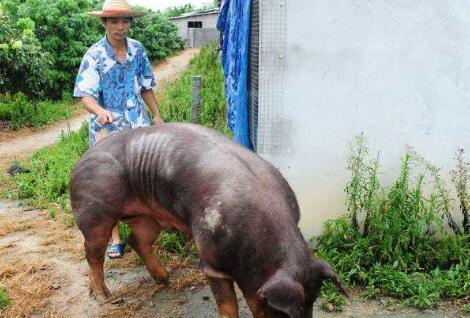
(460, 178)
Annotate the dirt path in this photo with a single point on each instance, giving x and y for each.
(24, 145)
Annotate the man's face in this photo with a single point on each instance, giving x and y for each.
(116, 28)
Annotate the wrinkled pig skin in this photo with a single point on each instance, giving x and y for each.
(239, 209)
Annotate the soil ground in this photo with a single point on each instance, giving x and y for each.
(43, 269)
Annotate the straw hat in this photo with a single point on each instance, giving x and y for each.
(117, 9)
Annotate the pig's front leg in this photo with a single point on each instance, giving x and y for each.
(145, 231)
(225, 296)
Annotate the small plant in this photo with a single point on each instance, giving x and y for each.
(466, 308)
(177, 242)
(53, 213)
(124, 231)
(4, 300)
(331, 299)
(68, 220)
(460, 177)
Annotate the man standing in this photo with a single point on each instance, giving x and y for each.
(114, 82)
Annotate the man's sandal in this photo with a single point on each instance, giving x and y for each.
(116, 250)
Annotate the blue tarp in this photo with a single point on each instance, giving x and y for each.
(234, 22)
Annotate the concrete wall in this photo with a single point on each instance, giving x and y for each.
(399, 71)
(201, 37)
(209, 21)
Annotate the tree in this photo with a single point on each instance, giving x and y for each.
(158, 35)
(179, 10)
(24, 65)
(65, 32)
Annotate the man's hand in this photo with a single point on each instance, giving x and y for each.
(105, 117)
(158, 120)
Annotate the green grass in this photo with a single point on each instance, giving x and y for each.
(394, 242)
(4, 300)
(466, 308)
(175, 105)
(47, 185)
(177, 242)
(19, 111)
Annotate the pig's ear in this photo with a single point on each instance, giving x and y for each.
(283, 294)
(326, 272)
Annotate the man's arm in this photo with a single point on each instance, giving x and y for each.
(91, 105)
(149, 98)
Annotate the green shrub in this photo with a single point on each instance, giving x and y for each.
(158, 35)
(395, 242)
(24, 65)
(466, 308)
(65, 32)
(19, 111)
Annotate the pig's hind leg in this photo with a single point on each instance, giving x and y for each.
(145, 231)
(96, 241)
(98, 191)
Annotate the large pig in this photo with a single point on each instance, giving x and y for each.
(239, 209)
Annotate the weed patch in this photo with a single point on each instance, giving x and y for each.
(403, 241)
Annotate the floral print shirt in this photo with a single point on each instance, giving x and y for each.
(116, 86)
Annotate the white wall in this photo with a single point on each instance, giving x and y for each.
(208, 21)
(397, 70)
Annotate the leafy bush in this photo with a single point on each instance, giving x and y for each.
(19, 111)
(64, 30)
(158, 35)
(395, 242)
(24, 66)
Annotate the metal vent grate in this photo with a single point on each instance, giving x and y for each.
(253, 72)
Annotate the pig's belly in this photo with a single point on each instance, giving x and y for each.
(165, 218)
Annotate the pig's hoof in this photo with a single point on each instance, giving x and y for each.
(166, 281)
(162, 279)
(100, 296)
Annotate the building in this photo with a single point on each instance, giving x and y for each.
(322, 72)
(198, 28)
